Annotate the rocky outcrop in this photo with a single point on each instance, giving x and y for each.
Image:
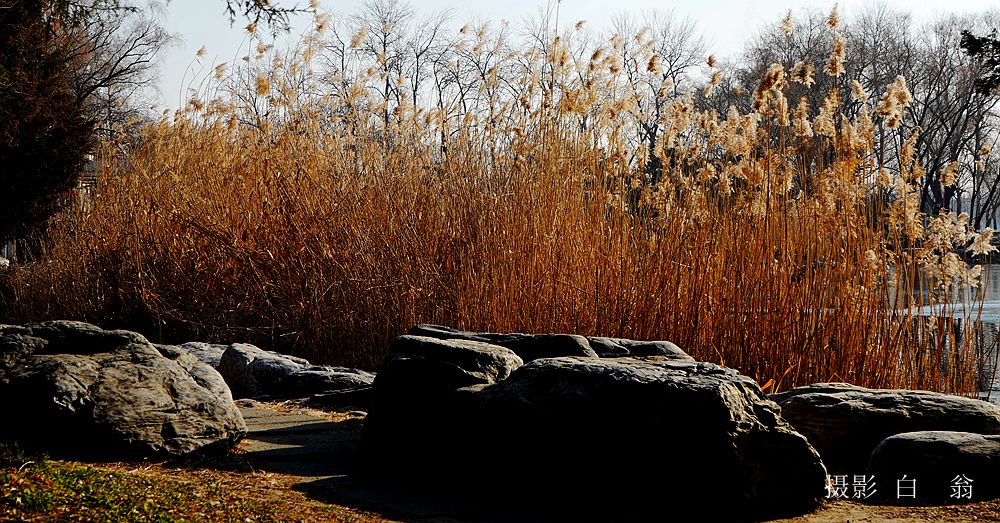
(71, 386)
(252, 372)
(845, 422)
(943, 466)
(584, 435)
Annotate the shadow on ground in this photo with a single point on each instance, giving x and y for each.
(324, 450)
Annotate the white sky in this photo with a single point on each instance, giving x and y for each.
(726, 25)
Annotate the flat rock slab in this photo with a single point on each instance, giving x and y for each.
(281, 421)
(300, 442)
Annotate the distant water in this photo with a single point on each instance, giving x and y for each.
(966, 306)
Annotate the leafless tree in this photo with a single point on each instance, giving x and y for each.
(113, 56)
(386, 24)
(955, 124)
(660, 56)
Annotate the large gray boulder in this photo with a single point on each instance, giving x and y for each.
(646, 430)
(845, 422)
(954, 467)
(73, 387)
(252, 372)
(584, 436)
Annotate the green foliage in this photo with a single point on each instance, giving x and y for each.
(986, 48)
(44, 135)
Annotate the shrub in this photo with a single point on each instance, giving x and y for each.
(45, 135)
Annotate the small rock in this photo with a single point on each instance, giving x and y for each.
(482, 362)
(953, 467)
(252, 372)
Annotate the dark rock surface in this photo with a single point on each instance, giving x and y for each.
(568, 418)
(585, 436)
(845, 422)
(950, 467)
(71, 386)
(414, 392)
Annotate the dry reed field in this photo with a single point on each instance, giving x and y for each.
(786, 241)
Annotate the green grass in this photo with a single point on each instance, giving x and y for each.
(35, 488)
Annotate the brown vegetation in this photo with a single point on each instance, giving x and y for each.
(779, 241)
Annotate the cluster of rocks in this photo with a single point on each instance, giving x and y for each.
(252, 372)
(935, 441)
(591, 423)
(120, 395)
(584, 426)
